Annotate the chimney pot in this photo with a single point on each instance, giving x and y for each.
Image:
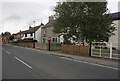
(51, 18)
(30, 27)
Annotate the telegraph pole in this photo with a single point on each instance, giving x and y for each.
(34, 33)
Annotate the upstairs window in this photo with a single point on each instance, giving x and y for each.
(31, 34)
(45, 31)
(25, 35)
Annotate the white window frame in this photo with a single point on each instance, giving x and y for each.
(45, 40)
(55, 38)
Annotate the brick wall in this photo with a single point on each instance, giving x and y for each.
(75, 50)
(30, 45)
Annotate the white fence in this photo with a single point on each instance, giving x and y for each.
(104, 49)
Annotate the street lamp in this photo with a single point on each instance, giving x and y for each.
(34, 33)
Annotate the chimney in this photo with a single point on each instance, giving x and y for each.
(42, 24)
(51, 18)
(30, 27)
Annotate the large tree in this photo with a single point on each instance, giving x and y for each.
(6, 33)
(83, 20)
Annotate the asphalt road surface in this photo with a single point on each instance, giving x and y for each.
(22, 63)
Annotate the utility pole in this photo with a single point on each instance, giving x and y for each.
(34, 33)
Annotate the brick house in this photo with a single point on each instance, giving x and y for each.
(5, 38)
(48, 34)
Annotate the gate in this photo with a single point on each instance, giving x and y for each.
(104, 49)
(55, 46)
(101, 49)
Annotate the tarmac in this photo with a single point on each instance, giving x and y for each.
(105, 62)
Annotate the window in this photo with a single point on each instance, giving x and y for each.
(45, 31)
(44, 40)
(31, 34)
(54, 39)
(26, 35)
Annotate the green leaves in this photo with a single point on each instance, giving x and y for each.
(83, 20)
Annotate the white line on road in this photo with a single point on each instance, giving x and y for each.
(8, 52)
(90, 63)
(23, 62)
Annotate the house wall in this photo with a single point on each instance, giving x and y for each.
(119, 34)
(38, 35)
(49, 33)
(114, 39)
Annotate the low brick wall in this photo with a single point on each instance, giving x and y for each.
(28, 44)
(75, 50)
(41, 46)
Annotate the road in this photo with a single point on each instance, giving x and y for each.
(23, 63)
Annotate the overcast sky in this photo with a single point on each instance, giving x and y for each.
(19, 14)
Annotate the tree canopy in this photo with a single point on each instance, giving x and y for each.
(83, 20)
(6, 33)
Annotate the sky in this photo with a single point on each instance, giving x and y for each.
(16, 15)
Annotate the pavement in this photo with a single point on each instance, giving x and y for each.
(28, 63)
(105, 62)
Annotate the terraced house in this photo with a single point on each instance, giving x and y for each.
(29, 34)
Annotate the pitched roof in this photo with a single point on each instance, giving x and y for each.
(31, 30)
(115, 16)
(50, 23)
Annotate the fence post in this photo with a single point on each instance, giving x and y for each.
(100, 51)
(90, 49)
(110, 50)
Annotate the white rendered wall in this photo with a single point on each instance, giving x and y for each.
(38, 35)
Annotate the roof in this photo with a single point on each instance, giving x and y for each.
(31, 30)
(115, 16)
(50, 23)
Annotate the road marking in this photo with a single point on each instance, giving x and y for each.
(90, 63)
(23, 62)
(99, 65)
(8, 52)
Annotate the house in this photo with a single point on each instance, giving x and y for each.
(48, 34)
(115, 39)
(5, 38)
(29, 34)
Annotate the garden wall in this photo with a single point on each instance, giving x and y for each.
(26, 44)
(75, 50)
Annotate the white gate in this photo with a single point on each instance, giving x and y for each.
(101, 49)
(104, 49)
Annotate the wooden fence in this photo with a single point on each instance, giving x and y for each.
(75, 50)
